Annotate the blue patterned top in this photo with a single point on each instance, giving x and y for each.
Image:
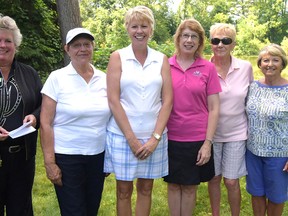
(267, 110)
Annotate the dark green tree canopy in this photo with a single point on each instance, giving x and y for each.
(37, 20)
(258, 23)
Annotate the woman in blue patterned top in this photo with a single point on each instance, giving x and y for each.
(267, 146)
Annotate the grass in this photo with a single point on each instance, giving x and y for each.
(45, 201)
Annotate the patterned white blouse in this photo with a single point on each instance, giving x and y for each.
(267, 110)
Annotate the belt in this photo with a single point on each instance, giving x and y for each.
(14, 149)
(11, 149)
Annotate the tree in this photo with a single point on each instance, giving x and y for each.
(69, 17)
(106, 22)
(41, 43)
(258, 22)
(250, 36)
(274, 14)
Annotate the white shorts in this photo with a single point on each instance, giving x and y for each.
(229, 159)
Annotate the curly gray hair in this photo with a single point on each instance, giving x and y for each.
(7, 23)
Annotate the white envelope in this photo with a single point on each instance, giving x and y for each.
(21, 131)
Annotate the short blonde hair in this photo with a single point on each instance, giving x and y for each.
(273, 50)
(193, 25)
(140, 13)
(9, 24)
(224, 28)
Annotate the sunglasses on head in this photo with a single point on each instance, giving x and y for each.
(225, 41)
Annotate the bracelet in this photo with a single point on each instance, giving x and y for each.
(210, 140)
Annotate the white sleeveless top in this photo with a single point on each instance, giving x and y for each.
(140, 92)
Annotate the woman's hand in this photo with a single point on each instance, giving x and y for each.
(147, 149)
(3, 134)
(54, 173)
(285, 169)
(204, 153)
(30, 118)
(135, 145)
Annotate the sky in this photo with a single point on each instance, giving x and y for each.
(175, 5)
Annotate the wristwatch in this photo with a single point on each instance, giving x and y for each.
(156, 136)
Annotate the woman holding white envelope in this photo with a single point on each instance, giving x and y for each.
(20, 101)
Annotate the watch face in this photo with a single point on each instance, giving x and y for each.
(157, 136)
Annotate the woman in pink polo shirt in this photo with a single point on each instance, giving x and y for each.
(193, 119)
(230, 137)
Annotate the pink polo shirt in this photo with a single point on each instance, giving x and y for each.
(232, 123)
(189, 116)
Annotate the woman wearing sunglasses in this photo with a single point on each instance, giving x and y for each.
(229, 141)
(193, 119)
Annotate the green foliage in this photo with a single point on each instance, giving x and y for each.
(284, 44)
(117, 37)
(164, 27)
(37, 21)
(221, 18)
(167, 48)
(250, 36)
(273, 13)
(258, 23)
(255, 23)
(101, 58)
(107, 24)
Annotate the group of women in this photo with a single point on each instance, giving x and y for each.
(182, 118)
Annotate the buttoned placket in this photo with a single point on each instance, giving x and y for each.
(226, 87)
(141, 84)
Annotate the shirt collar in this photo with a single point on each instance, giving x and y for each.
(72, 71)
(149, 59)
(233, 66)
(197, 63)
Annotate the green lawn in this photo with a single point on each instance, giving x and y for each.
(45, 201)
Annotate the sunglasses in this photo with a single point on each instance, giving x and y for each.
(225, 41)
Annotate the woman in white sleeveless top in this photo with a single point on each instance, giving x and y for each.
(140, 97)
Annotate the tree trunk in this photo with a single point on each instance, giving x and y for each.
(68, 17)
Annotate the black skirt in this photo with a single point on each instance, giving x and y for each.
(182, 164)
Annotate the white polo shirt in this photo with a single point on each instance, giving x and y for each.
(82, 111)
